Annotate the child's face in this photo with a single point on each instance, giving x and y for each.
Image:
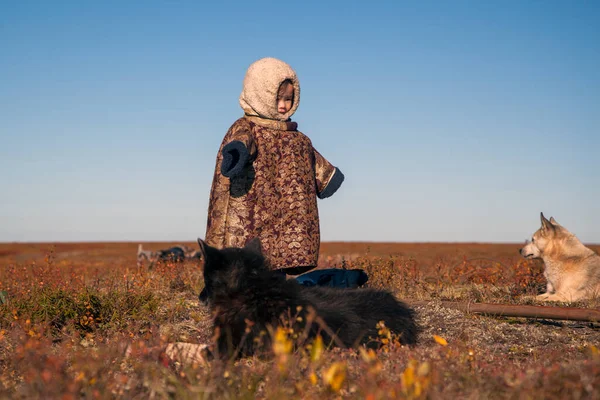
(285, 99)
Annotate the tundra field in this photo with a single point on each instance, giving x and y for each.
(83, 320)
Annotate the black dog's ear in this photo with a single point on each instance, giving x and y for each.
(208, 252)
(254, 246)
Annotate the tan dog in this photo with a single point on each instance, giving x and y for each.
(572, 271)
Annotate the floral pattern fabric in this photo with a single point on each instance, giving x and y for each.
(274, 198)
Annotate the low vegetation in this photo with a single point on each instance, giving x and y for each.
(83, 320)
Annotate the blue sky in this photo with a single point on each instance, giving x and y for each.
(452, 121)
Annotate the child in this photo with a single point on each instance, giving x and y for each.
(268, 175)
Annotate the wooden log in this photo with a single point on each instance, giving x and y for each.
(510, 310)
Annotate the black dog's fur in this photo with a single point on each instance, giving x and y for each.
(248, 299)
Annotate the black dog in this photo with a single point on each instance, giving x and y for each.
(248, 299)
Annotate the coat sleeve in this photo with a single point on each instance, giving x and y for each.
(238, 149)
(328, 177)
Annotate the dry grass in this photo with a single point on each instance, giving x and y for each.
(82, 320)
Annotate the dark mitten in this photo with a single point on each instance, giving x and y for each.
(235, 158)
(333, 186)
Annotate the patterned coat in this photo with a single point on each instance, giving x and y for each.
(274, 196)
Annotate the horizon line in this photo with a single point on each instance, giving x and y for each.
(322, 242)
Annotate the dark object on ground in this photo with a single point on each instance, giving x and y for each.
(335, 278)
(175, 254)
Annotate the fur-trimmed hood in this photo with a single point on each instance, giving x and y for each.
(261, 84)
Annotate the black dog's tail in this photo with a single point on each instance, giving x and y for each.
(404, 324)
(398, 317)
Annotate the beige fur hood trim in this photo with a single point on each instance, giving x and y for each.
(261, 83)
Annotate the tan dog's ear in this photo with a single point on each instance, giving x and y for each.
(547, 226)
(553, 221)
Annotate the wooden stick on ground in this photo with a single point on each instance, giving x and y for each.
(506, 310)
